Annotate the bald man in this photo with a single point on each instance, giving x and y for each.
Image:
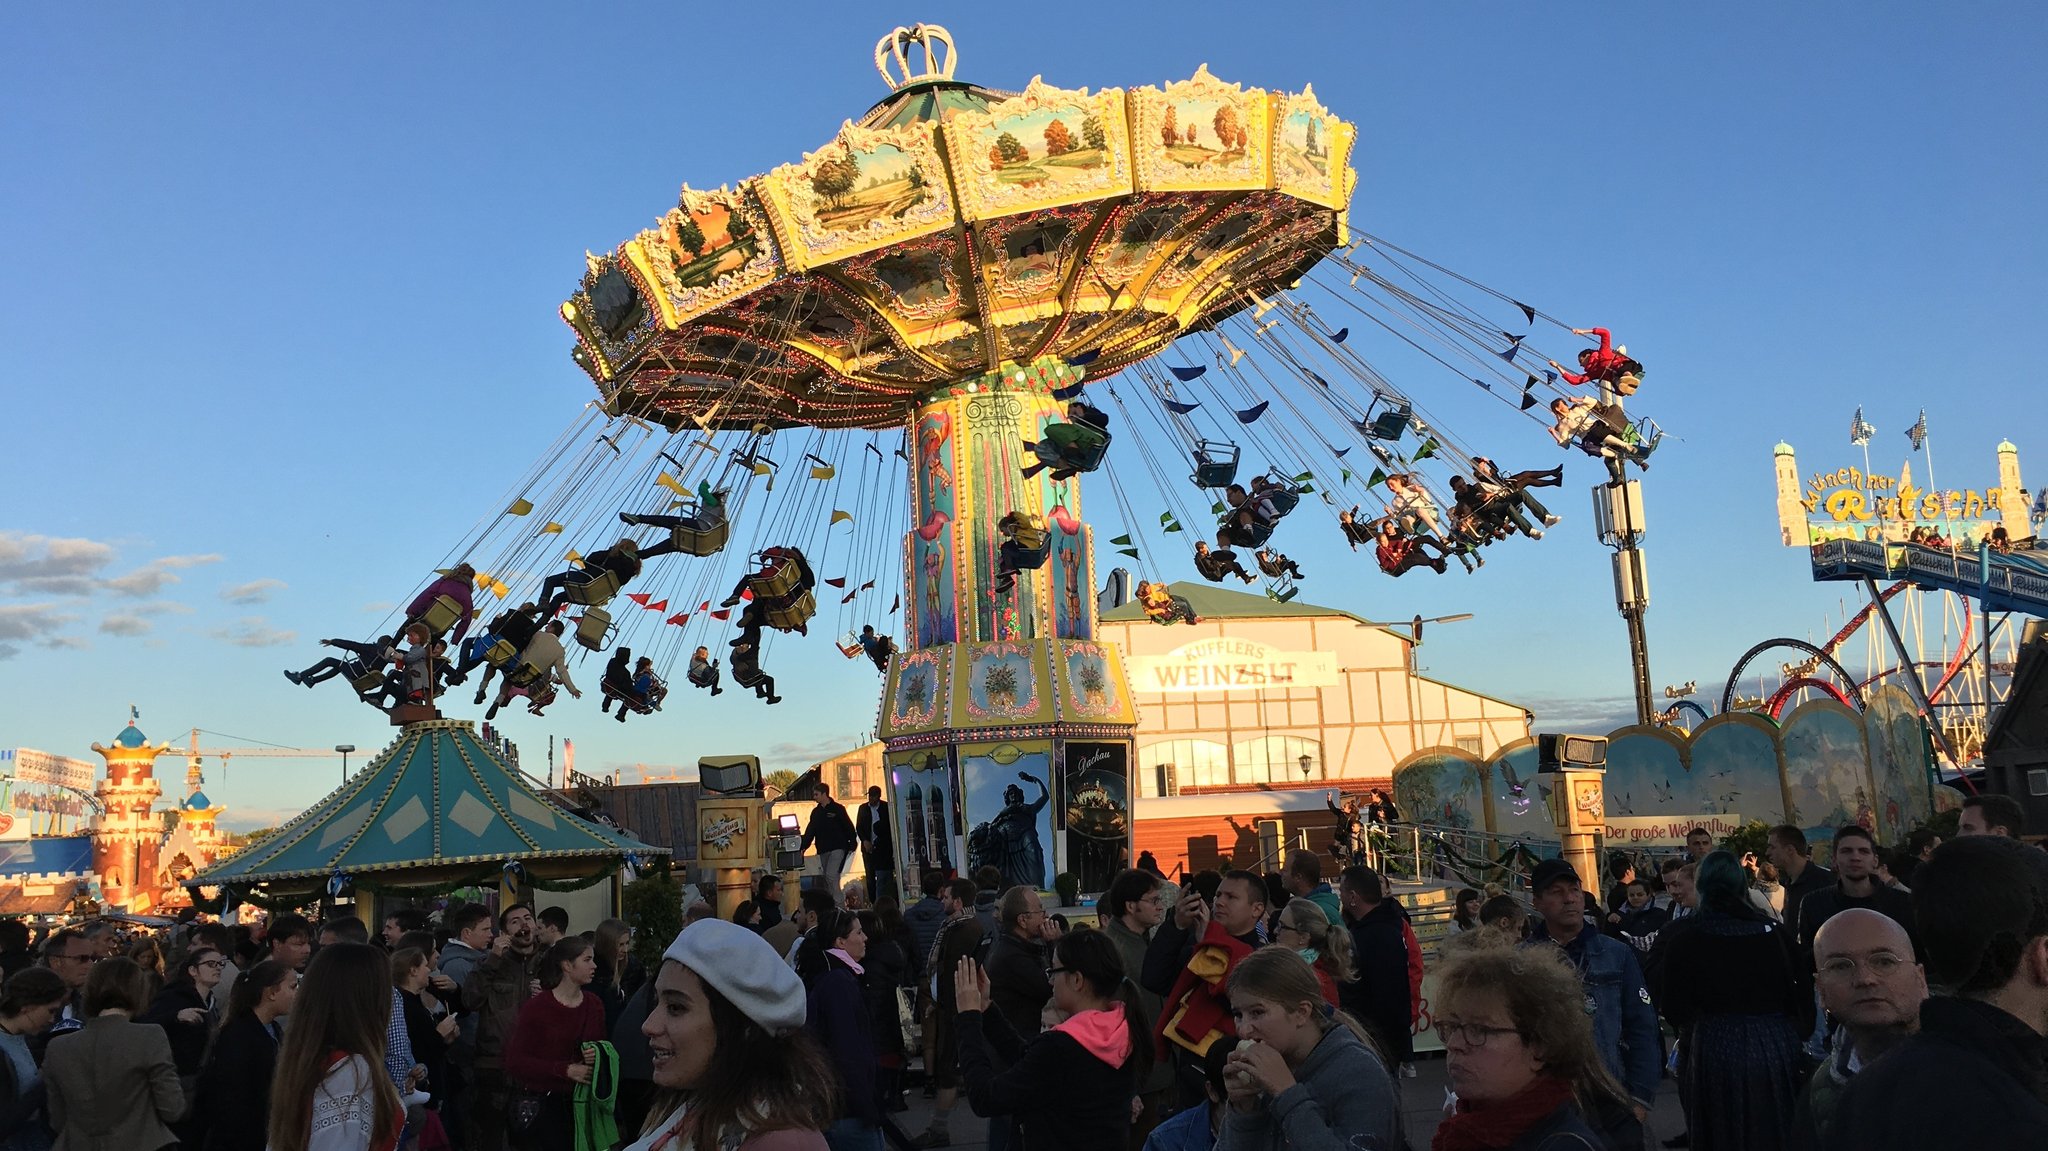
(1864, 969)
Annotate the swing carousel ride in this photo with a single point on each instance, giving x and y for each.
(968, 294)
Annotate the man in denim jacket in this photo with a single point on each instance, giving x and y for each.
(1624, 1022)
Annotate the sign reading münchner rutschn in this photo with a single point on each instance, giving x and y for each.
(1231, 665)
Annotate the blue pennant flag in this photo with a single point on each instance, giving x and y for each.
(1179, 407)
(1185, 374)
(1254, 412)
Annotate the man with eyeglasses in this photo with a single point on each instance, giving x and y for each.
(71, 955)
(1018, 983)
(1868, 981)
(1136, 904)
(1976, 1073)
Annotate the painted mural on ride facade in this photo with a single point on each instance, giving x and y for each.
(1824, 766)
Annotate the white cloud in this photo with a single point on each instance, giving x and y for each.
(126, 625)
(28, 557)
(253, 631)
(255, 591)
(155, 575)
(37, 623)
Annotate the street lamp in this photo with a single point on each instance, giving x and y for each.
(1307, 763)
(344, 749)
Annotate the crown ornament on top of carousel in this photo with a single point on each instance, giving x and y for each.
(954, 229)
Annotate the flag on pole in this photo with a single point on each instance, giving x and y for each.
(1918, 432)
(1859, 431)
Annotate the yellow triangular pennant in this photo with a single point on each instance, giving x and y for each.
(839, 514)
(823, 471)
(671, 483)
(552, 529)
(519, 507)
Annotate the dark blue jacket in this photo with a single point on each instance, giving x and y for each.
(1624, 1022)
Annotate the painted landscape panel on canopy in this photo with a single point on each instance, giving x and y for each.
(1735, 766)
(1312, 151)
(1043, 148)
(1202, 134)
(1827, 771)
(1646, 774)
(869, 189)
(1899, 762)
(1441, 787)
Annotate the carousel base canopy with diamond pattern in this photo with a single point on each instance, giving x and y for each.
(438, 809)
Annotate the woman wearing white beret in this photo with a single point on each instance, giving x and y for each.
(735, 1069)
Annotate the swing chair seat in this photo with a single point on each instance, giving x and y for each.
(1215, 464)
(1282, 590)
(1075, 447)
(441, 615)
(1031, 534)
(706, 676)
(701, 533)
(746, 670)
(1240, 535)
(778, 582)
(1392, 421)
(791, 613)
(368, 683)
(849, 645)
(594, 592)
(594, 629)
(631, 700)
(520, 678)
(500, 653)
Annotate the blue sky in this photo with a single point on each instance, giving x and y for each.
(277, 302)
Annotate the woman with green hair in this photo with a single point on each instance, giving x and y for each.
(1734, 986)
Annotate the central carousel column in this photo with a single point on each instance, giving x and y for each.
(1008, 728)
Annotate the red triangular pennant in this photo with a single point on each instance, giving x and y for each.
(639, 597)
(680, 618)
(868, 586)
(662, 606)
(721, 614)
(840, 582)
(848, 597)
(705, 606)
(894, 604)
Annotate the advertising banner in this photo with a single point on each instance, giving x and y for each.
(1667, 830)
(1226, 664)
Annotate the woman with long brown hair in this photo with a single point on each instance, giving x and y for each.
(736, 1071)
(1520, 1055)
(1303, 1073)
(331, 1092)
(549, 1054)
(233, 1102)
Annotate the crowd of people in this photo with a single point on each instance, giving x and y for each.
(1236, 1011)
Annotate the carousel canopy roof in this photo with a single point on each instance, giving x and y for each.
(954, 230)
(438, 798)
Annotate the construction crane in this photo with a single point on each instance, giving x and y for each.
(194, 753)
